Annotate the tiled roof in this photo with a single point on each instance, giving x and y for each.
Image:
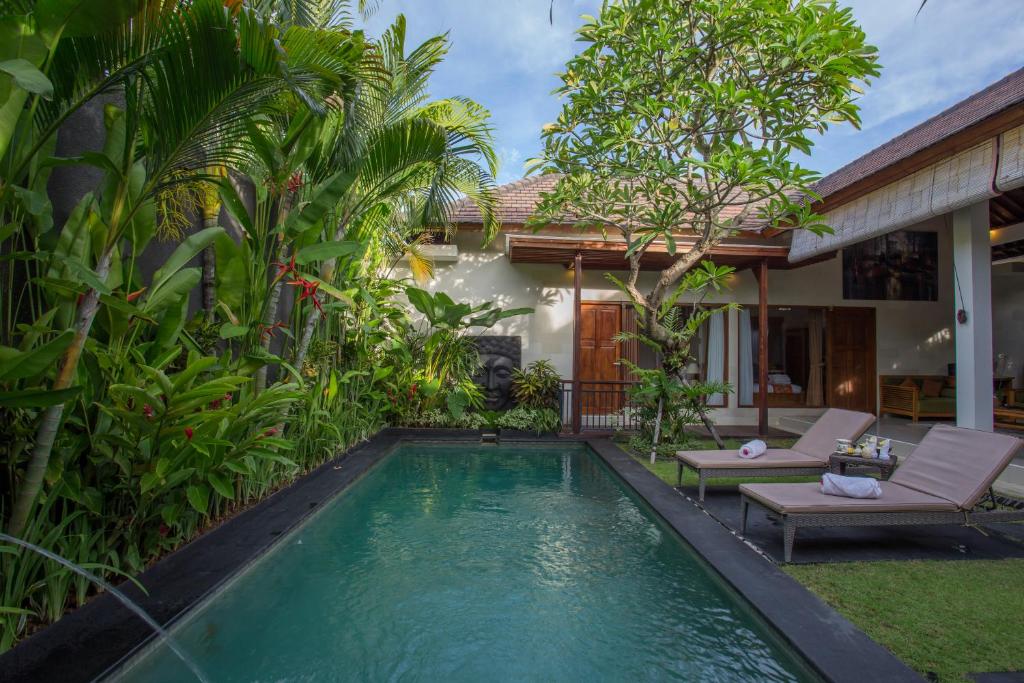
(518, 199)
(515, 200)
(997, 97)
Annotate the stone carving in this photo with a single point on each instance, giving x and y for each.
(499, 356)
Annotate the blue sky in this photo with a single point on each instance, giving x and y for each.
(504, 54)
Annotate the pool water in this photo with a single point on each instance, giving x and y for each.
(477, 563)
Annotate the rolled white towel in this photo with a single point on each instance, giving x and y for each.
(850, 487)
(753, 449)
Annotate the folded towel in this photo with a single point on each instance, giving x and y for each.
(850, 487)
(753, 449)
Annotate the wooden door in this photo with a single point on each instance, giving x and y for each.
(850, 358)
(599, 353)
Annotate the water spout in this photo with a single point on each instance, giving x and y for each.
(138, 611)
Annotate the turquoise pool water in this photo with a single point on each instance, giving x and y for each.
(478, 563)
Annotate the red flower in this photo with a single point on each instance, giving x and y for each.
(135, 295)
(308, 292)
(285, 268)
(215, 405)
(270, 432)
(227, 397)
(295, 182)
(164, 530)
(189, 432)
(147, 410)
(268, 332)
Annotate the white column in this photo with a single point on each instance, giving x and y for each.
(972, 293)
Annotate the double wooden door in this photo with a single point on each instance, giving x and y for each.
(850, 373)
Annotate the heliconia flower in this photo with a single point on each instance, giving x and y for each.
(147, 410)
(164, 530)
(189, 432)
(135, 295)
(285, 268)
(227, 396)
(295, 182)
(270, 432)
(215, 404)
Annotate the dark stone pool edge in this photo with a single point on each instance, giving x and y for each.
(837, 649)
(87, 642)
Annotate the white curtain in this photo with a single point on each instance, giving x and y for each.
(716, 353)
(746, 359)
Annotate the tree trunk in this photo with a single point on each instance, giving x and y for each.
(657, 432)
(209, 286)
(269, 320)
(46, 434)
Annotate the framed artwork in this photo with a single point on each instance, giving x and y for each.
(900, 266)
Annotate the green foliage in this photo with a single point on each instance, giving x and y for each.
(537, 420)
(538, 386)
(678, 128)
(128, 425)
(680, 402)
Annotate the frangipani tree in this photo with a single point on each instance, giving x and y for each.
(679, 120)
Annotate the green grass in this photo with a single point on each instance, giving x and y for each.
(949, 618)
(946, 617)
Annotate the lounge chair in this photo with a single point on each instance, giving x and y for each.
(808, 456)
(944, 481)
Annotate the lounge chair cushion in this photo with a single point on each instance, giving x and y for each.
(773, 457)
(957, 464)
(820, 440)
(808, 498)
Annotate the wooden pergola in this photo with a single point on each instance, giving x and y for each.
(587, 252)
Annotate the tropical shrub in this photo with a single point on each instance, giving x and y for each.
(537, 386)
(290, 163)
(526, 419)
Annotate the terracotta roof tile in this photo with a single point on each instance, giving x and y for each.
(518, 199)
(999, 96)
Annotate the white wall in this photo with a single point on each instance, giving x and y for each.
(913, 337)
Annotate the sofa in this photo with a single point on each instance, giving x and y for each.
(917, 396)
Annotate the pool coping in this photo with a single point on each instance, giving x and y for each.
(87, 642)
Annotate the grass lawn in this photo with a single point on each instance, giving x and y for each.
(949, 618)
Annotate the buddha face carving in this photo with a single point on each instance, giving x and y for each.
(499, 357)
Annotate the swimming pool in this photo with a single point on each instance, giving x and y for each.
(464, 562)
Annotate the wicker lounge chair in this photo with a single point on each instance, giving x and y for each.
(808, 456)
(944, 481)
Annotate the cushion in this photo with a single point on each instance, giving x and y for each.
(835, 423)
(947, 392)
(804, 498)
(779, 379)
(937, 406)
(773, 457)
(957, 464)
(908, 383)
(932, 388)
(783, 388)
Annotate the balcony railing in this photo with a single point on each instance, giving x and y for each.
(602, 406)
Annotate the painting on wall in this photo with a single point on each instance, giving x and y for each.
(900, 266)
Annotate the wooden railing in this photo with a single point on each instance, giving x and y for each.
(602, 406)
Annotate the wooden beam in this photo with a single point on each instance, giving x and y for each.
(577, 316)
(762, 348)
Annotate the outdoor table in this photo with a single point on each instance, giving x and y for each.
(837, 463)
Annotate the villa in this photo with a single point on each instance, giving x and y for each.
(927, 225)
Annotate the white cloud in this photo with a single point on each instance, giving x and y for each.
(505, 53)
